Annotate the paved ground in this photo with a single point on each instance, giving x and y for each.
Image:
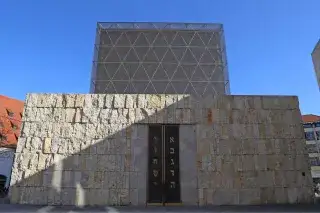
(225, 209)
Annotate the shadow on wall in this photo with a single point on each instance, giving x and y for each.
(93, 150)
(91, 155)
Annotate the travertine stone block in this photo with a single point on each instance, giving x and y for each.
(304, 195)
(36, 193)
(280, 102)
(225, 197)
(47, 146)
(265, 178)
(252, 116)
(33, 144)
(279, 179)
(249, 196)
(64, 130)
(43, 100)
(141, 101)
(293, 195)
(90, 115)
(297, 131)
(70, 100)
(98, 197)
(54, 197)
(14, 194)
(133, 197)
(130, 102)
(155, 101)
(108, 101)
(45, 161)
(68, 196)
(61, 101)
(301, 162)
(119, 101)
(170, 100)
(295, 116)
(238, 102)
(248, 163)
(227, 180)
(30, 114)
(267, 195)
(281, 195)
(31, 100)
(254, 102)
(79, 101)
(91, 101)
(223, 102)
(70, 115)
(249, 179)
(21, 144)
(77, 130)
(291, 178)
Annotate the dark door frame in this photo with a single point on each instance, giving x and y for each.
(165, 140)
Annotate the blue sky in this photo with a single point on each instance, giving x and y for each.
(47, 46)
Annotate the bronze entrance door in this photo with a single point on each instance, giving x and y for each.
(163, 177)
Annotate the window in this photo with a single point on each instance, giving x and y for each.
(1, 124)
(14, 127)
(318, 135)
(3, 137)
(10, 113)
(317, 124)
(316, 180)
(20, 115)
(307, 125)
(309, 136)
(3, 180)
(314, 161)
(312, 148)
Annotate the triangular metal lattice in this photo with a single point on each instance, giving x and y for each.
(160, 61)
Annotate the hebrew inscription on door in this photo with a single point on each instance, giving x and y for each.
(164, 184)
(172, 183)
(155, 192)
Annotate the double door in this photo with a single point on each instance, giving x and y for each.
(164, 175)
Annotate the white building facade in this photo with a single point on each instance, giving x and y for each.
(312, 134)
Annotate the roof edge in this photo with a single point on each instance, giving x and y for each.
(316, 47)
(160, 25)
(310, 118)
(12, 99)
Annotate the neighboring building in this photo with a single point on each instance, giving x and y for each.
(316, 61)
(158, 58)
(311, 124)
(10, 122)
(163, 148)
(6, 162)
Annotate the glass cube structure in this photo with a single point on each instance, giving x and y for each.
(160, 58)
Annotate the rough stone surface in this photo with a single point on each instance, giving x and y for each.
(89, 149)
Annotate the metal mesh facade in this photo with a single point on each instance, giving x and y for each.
(157, 58)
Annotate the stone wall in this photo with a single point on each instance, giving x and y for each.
(92, 149)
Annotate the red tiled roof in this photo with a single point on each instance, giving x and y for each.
(10, 121)
(310, 118)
